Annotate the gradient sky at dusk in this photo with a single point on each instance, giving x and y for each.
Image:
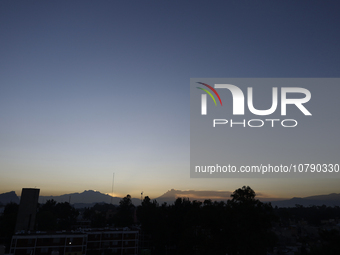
(88, 88)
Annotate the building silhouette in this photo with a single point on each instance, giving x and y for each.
(89, 241)
(27, 210)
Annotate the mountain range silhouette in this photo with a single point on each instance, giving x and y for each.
(88, 198)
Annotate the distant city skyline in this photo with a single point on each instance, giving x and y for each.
(88, 89)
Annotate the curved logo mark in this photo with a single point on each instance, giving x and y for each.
(204, 97)
(213, 90)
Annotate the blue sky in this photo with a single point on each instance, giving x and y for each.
(88, 88)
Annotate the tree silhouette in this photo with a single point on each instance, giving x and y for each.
(243, 195)
(240, 226)
(126, 210)
(56, 216)
(251, 224)
(7, 224)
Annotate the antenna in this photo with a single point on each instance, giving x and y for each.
(141, 197)
(113, 178)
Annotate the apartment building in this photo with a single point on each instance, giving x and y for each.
(88, 242)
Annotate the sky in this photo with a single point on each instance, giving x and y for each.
(92, 88)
